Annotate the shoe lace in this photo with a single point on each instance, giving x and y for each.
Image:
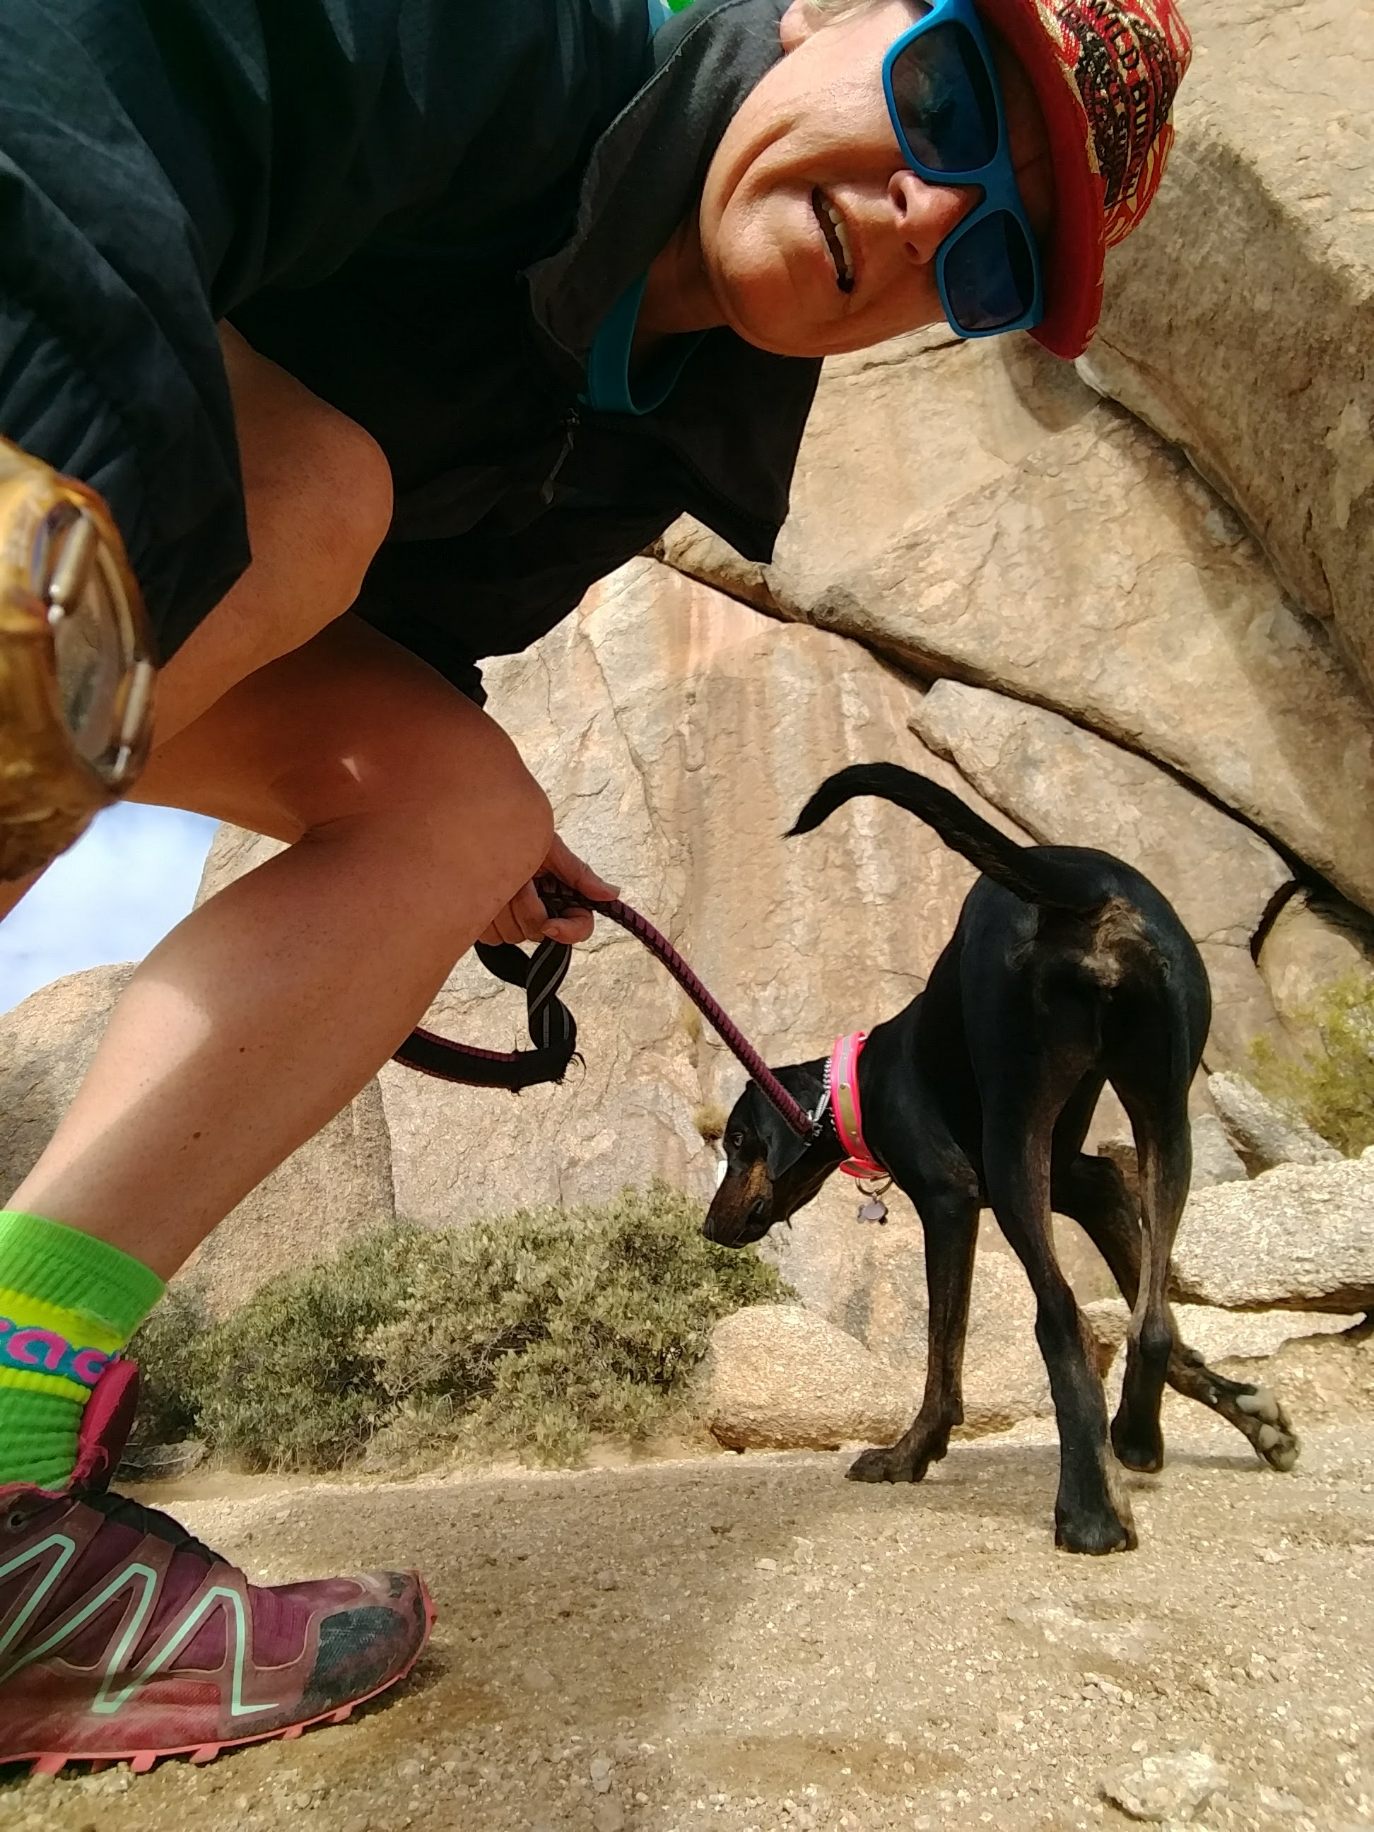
(147, 1520)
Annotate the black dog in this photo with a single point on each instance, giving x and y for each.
(1067, 969)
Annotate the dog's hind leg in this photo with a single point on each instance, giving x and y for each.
(1091, 1512)
(1092, 1192)
(948, 1207)
(1165, 1152)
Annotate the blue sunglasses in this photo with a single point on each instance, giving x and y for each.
(946, 107)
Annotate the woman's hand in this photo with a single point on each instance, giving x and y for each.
(525, 917)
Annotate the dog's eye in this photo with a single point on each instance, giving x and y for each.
(734, 1141)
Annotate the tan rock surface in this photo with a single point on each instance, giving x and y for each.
(778, 1377)
(1263, 1133)
(1240, 318)
(1067, 787)
(1296, 1238)
(1221, 1335)
(336, 1186)
(967, 513)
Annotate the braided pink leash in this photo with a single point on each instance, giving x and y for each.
(463, 1062)
(720, 1021)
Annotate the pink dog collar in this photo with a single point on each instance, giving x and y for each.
(842, 1077)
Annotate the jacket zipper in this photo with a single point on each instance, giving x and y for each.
(571, 421)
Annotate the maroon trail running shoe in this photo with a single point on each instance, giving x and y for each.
(122, 1638)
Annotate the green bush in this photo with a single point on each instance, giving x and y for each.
(531, 1334)
(1332, 1084)
(168, 1349)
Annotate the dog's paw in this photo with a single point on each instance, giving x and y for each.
(1269, 1428)
(1139, 1450)
(1096, 1534)
(887, 1463)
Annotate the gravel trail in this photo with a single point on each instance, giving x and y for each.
(752, 1642)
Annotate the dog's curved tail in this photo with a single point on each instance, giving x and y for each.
(1036, 874)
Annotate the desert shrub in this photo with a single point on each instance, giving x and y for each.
(543, 1330)
(289, 1381)
(1332, 1083)
(167, 1349)
(533, 1334)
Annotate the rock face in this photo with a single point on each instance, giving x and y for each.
(1261, 1133)
(871, 1282)
(1066, 786)
(779, 1378)
(679, 734)
(1296, 1238)
(1240, 318)
(336, 1186)
(1215, 1159)
(1221, 1335)
(46, 1046)
(1315, 942)
(971, 515)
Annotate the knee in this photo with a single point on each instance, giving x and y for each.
(511, 813)
(448, 786)
(340, 507)
(318, 494)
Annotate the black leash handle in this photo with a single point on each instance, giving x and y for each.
(462, 1062)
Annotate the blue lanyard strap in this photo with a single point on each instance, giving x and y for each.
(661, 11)
(608, 362)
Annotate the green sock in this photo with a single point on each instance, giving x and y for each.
(68, 1302)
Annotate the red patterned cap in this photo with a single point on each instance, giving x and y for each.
(1105, 73)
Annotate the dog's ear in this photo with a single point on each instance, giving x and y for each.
(784, 1150)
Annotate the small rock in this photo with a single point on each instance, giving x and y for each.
(1262, 1133)
(1215, 1159)
(410, 1770)
(1159, 1788)
(537, 1678)
(161, 1462)
(1274, 1800)
(608, 1815)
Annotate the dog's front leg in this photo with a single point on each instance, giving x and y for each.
(949, 1220)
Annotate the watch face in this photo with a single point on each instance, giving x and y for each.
(89, 632)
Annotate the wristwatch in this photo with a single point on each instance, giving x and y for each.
(77, 674)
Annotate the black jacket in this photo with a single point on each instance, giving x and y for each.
(421, 208)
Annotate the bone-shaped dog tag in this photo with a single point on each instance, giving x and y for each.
(873, 1210)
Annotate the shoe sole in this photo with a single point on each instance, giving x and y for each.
(50, 1762)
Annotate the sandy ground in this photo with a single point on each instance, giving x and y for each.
(731, 1643)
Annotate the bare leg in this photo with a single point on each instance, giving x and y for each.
(318, 496)
(267, 1009)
